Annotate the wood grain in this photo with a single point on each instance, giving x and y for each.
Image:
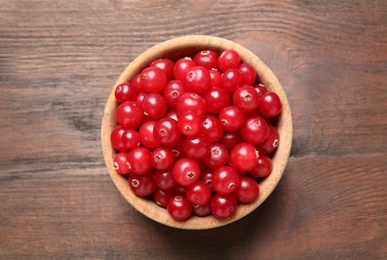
(58, 61)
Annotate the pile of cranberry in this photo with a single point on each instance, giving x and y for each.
(196, 134)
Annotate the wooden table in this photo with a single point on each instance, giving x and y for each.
(58, 62)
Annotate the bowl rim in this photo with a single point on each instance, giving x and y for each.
(175, 48)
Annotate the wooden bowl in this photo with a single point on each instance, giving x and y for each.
(174, 49)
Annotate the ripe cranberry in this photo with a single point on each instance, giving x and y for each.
(172, 114)
(225, 180)
(198, 193)
(249, 74)
(254, 130)
(260, 88)
(228, 59)
(243, 157)
(166, 131)
(120, 163)
(130, 139)
(186, 171)
(179, 207)
(223, 206)
(181, 68)
(206, 177)
(189, 123)
(173, 91)
(129, 114)
(116, 138)
(270, 104)
(198, 79)
(216, 99)
(215, 77)
(230, 139)
(246, 98)
(136, 83)
(270, 143)
(177, 148)
(162, 158)
(232, 118)
(153, 79)
(196, 147)
(165, 180)
(217, 157)
(263, 168)
(231, 80)
(154, 105)
(125, 92)
(247, 191)
(162, 197)
(211, 128)
(191, 102)
(140, 160)
(146, 135)
(201, 210)
(166, 65)
(207, 59)
(142, 184)
(140, 97)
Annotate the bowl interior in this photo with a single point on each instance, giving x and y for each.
(183, 47)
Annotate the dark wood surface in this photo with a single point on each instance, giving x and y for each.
(58, 62)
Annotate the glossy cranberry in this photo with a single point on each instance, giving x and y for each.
(116, 138)
(153, 79)
(191, 102)
(125, 92)
(180, 189)
(154, 105)
(140, 160)
(207, 59)
(206, 177)
(263, 168)
(198, 193)
(173, 91)
(232, 118)
(181, 68)
(120, 163)
(225, 179)
(172, 114)
(260, 88)
(142, 184)
(243, 157)
(162, 158)
(270, 104)
(230, 139)
(211, 128)
(146, 135)
(270, 143)
(246, 98)
(131, 139)
(223, 206)
(254, 130)
(140, 97)
(196, 147)
(129, 114)
(231, 80)
(216, 99)
(249, 75)
(189, 123)
(167, 65)
(136, 83)
(166, 131)
(177, 148)
(186, 171)
(179, 207)
(247, 191)
(228, 59)
(162, 197)
(164, 179)
(215, 77)
(198, 79)
(217, 157)
(201, 210)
